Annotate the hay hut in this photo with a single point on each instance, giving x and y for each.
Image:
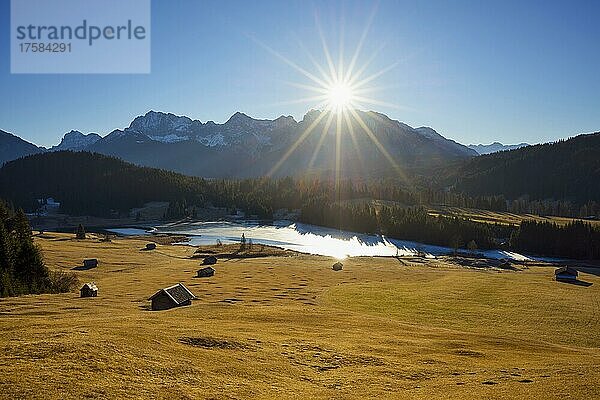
(337, 266)
(172, 296)
(150, 246)
(210, 260)
(90, 263)
(206, 272)
(566, 274)
(89, 290)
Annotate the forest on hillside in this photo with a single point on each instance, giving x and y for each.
(94, 184)
(566, 171)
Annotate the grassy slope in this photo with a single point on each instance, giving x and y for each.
(500, 217)
(376, 329)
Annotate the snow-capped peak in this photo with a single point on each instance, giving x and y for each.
(75, 140)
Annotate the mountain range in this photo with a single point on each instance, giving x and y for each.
(495, 147)
(248, 147)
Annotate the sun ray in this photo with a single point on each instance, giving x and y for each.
(360, 44)
(321, 140)
(290, 63)
(325, 48)
(338, 152)
(354, 141)
(297, 143)
(366, 65)
(316, 64)
(376, 75)
(381, 103)
(317, 89)
(340, 65)
(303, 100)
(341, 89)
(381, 148)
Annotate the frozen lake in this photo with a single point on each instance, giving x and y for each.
(310, 239)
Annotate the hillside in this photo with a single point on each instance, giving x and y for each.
(13, 147)
(566, 170)
(91, 183)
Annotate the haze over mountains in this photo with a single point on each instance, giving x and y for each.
(245, 147)
(495, 147)
(248, 147)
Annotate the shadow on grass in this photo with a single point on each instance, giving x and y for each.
(82, 268)
(576, 282)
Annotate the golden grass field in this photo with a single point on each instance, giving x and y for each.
(287, 326)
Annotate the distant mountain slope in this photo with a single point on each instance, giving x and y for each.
(13, 147)
(495, 147)
(76, 140)
(567, 169)
(248, 147)
(91, 183)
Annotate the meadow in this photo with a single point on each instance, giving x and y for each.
(285, 325)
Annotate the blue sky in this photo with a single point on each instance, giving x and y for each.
(476, 71)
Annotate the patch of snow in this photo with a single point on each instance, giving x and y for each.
(170, 138)
(213, 140)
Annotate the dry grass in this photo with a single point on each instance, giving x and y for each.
(288, 326)
(499, 217)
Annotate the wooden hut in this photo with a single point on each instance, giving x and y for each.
(566, 274)
(206, 272)
(337, 266)
(89, 290)
(90, 263)
(210, 260)
(172, 296)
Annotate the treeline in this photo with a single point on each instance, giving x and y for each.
(407, 223)
(93, 184)
(577, 239)
(22, 269)
(567, 170)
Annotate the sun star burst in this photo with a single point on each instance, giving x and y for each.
(338, 89)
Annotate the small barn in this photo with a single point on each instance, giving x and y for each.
(89, 290)
(210, 260)
(337, 266)
(150, 246)
(565, 274)
(90, 263)
(206, 272)
(172, 296)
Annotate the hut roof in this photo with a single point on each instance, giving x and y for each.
(337, 266)
(90, 286)
(565, 271)
(210, 260)
(178, 293)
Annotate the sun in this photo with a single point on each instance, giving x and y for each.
(339, 96)
(338, 89)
